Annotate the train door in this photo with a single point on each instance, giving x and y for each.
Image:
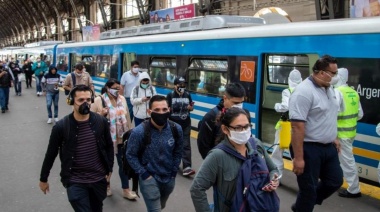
(276, 69)
(126, 59)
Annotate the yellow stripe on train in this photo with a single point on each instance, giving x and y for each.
(366, 153)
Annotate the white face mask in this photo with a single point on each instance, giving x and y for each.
(378, 129)
(114, 92)
(135, 70)
(334, 80)
(240, 105)
(240, 137)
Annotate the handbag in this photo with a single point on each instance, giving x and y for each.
(21, 77)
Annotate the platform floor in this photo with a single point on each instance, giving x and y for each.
(24, 136)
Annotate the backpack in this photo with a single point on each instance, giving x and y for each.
(252, 177)
(127, 169)
(74, 83)
(215, 110)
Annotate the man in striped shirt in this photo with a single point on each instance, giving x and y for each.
(86, 151)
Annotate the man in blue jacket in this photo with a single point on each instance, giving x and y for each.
(158, 164)
(39, 68)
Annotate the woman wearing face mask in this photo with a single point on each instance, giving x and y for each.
(113, 106)
(39, 68)
(220, 169)
(140, 96)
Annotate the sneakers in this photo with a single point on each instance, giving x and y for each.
(188, 171)
(38, 93)
(56, 119)
(49, 121)
(131, 195)
(346, 194)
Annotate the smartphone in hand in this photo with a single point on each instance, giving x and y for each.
(270, 183)
(192, 103)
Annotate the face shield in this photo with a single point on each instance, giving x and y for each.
(342, 77)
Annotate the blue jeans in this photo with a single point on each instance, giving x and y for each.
(17, 85)
(138, 121)
(52, 98)
(155, 193)
(4, 97)
(87, 197)
(123, 177)
(130, 108)
(321, 162)
(38, 83)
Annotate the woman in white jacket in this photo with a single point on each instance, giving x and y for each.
(140, 98)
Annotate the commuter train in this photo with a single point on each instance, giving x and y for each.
(213, 51)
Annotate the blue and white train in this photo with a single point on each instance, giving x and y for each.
(212, 53)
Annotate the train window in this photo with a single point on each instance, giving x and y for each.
(97, 65)
(114, 67)
(279, 67)
(208, 76)
(62, 63)
(163, 71)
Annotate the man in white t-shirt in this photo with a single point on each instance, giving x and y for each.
(128, 81)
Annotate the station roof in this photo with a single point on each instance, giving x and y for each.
(20, 16)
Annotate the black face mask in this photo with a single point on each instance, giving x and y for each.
(160, 118)
(84, 108)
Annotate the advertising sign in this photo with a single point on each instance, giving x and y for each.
(175, 13)
(364, 8)
(91, 33)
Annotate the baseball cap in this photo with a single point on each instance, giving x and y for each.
(179, 80)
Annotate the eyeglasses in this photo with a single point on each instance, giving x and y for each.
(333, 73)
(240, 128)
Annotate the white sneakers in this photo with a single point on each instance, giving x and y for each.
(49, 121)
(39, 93)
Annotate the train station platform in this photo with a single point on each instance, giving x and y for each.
(24, 136)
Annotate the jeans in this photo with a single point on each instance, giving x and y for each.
(4, 97)
(87, 197)
(38, 83)
(52, 98)
(155, 193)
(130, 108)
(186, 152)
(321, 162)
(123, 177)
(17, 85)
(138, 121)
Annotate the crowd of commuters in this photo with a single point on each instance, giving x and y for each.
(323, 129)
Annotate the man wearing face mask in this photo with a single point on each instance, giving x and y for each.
(129, 80)
(140, 96)
(208, 130)
(39, 68)
(293, 80)
(347, 121)
(181, 104)
(158, 164)
(86, 150)
(78, 77)
(313, 110)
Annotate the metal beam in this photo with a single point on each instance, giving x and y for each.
(104, 15)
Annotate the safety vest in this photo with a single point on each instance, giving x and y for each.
(347, 120)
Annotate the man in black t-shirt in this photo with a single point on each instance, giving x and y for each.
(181, 104)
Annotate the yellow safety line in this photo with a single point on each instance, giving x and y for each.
(368, 190)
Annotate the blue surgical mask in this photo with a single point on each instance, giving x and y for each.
(144, 86)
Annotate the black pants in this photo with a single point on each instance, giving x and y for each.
(87, 197)
(322, 175)
(28, 79)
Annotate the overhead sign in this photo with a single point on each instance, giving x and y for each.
(91, 33)
(175, 13)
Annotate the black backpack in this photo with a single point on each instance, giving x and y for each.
(127, 169)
